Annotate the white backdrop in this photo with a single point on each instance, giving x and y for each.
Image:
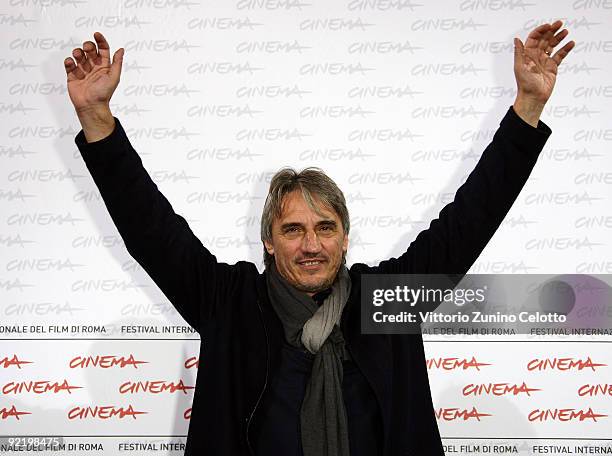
(394, 99)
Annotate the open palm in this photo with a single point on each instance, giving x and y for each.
(93, 79)
(535, 68)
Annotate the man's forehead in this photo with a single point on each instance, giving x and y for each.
(295, 201)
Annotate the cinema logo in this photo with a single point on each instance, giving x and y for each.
(7, 362)
(563, 154)
(501, 267)
(563, 364)
(41, 132)
(221, 154)
(16, 239)
(221, 23)
(334, 69)
(564, 415)
(497, 389)
(105, 285)
(12, 108)
(128, 109)
(38, 387)
(226, 110)
(456, 414)
(159, 46)
(108, 22)
(163, 175)
(159, 4)
(191, 363)
(15, 283)
(105, 412)
(42, 219)
(450, 364)
(40, 308)
(335, 24)
(271, 5)
(10, 195)
(601, 389)
(222, 68)
(571, 24)
(588, 267)
(104, 362)
(11, 412)
(13, 65)
(159, 133)
(154, 387)
(16, 150)
(133, 66)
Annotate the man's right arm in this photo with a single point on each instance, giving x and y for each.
(158, 238)
(155, 236)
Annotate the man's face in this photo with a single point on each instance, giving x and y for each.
(308, 247)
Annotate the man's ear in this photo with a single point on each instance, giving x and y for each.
(345, 244)
(269, 247)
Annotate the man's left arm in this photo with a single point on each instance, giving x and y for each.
(454, 240)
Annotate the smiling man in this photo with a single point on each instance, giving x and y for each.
(286, 370)
(307, 236)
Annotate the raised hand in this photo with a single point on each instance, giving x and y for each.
(535, 67)
(92, 80)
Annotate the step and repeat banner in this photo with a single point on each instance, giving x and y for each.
(394, 99)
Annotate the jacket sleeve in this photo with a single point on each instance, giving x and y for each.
(454, 240)
(155, 236)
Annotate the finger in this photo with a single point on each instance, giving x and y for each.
(103, 48)
(81, 60)
(555, 26)
(519, 51)
(544, 43)
(558, 38)
(91, 52)
(562, 53)
(72, 71)
(536, 35)
(117, 63)
(549, 36)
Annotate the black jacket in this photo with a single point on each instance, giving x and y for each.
(229, 307)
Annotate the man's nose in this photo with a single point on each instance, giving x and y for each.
(311, 242)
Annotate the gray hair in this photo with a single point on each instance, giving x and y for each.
(313, 183)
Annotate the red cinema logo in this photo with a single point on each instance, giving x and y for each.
(454, 363)
(497, 389)
(38, 387)
(568, 414)
(14, 361)
(104, 362)
(187, 414)
(452, 414)
(12, 412)
(562, 364)
(602, 389)
(154, 387)
(103, 413)
(192, 362)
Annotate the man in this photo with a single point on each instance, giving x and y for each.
(286, 370)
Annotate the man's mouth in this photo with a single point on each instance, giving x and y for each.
(312, 263)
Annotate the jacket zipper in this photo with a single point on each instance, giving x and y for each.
(265, 382)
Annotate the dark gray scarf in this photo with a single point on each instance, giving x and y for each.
(324, 429)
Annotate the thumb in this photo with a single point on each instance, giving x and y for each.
(519, 51)
(117, 62)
